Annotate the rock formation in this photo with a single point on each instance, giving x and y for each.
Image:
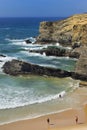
(67, 32)
(71, 31)
(28, 41)
(81, 66)
(53, 51)
(16, 67)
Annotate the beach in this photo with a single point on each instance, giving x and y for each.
(71, 118)
(63, 120)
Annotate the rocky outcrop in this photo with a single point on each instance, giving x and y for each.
(67, 32)
(16, 67)
(60, 51)
(1, 55)
(83, 84)
(81, 65)
(76, 52)
(53, 51)
(28, 41)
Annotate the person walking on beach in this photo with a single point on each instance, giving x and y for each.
(48, 121)
(76, 119)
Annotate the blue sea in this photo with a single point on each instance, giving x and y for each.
(31, 96)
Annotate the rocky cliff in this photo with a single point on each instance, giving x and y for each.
(71, 31)
(67, 32)
(81, 66)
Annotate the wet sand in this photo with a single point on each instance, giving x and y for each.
(65, 120)
(62, 120)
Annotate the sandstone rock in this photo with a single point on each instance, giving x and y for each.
(83, 84)
(81, 66)
(68, 31)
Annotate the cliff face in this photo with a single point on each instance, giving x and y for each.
(81, 66)
(68, 31)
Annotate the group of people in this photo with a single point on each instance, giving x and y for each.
(76, 120)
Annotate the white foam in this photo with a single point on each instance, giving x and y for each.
(5, 59)
(14, 40)
(44, 54)
(33, 40)
(30, 53)
(57, 44)
(69, 48)
(21, 41)
(48, 65)
(15, 102)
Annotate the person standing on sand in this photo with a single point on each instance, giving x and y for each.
(76, 119)
(48, 120)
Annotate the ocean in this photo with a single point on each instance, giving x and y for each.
(31, 96)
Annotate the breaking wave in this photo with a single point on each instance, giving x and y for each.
(14, 103)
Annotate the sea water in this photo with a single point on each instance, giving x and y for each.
(30, 96)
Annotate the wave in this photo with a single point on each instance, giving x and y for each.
(57, 44)
(21, 41)
(31, 54)
(48, 65)
(40, 100)
(7, 28)
(5, 59)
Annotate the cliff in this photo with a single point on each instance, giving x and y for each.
(67, 32)
(81, 66)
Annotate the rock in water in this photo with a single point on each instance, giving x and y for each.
(16, 67)
(1, 55)
(28, 41)
(53, 51)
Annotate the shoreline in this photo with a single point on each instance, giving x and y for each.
(78, 93)
(57, 120)
(36, 117)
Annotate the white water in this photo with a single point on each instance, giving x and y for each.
(17, 102)
(5, 59)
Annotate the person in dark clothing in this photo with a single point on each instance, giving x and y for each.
(48, 120)
(76, 119)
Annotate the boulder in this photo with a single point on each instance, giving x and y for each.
(28, 41)
(1, 55)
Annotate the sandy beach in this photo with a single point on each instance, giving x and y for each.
(70, 119)
(63, 121)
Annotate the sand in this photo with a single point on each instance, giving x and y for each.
(65, 120)
(60, 121)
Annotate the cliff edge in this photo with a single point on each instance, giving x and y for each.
(66, 32)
